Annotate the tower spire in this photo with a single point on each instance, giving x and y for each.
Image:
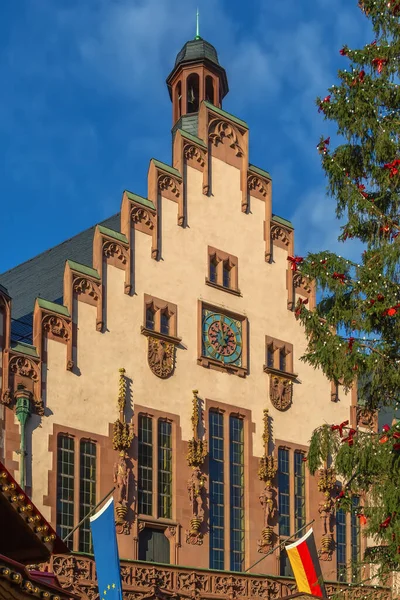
(197, 25)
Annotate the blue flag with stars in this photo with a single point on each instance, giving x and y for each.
(106, 552)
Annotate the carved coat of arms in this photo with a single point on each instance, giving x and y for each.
(161, 357)
(280, 392)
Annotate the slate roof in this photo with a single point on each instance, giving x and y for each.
(197, 50)
(42, 276)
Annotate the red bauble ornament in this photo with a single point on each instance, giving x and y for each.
(325, 101)
(339, 276)
(379, 63)
(363, 520)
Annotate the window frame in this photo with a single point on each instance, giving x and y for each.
(228, 411)
(292, 449)
(223, 260)
(277, 347)
(161, 308)
(78, 437)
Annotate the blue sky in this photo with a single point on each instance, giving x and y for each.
(84, 105)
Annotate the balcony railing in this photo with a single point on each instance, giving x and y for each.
(142, 581)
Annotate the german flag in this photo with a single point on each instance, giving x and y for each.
(305, 564)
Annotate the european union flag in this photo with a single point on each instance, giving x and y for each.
(106, 553)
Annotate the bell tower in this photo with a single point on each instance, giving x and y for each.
(196, 76)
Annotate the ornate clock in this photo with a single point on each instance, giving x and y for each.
(222, 338)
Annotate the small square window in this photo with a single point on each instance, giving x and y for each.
(222, 270)
(279, 355)
(160, 316)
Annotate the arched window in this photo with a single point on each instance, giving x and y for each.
(226, 274)
(192, 85)
(213, 269)
(210, 89)
(164, 325)
(178, 101)
(150, 312)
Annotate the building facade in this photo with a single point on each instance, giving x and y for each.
(159, 353)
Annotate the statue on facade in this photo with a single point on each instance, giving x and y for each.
(121, 479)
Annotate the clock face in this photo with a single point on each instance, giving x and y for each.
(222, 338)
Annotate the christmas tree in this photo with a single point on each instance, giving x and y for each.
(354, 334)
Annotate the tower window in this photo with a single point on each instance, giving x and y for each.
(210, 89)
(299, 490)
(178, 101)
(159, 316)
(192, 85)
(279, 355)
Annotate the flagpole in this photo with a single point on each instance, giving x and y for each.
(280, 544)
(88, 515)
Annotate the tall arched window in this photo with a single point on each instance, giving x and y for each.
(178, 101)
(192, 85)
(210, 89)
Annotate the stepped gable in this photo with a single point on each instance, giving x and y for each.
(42, 277)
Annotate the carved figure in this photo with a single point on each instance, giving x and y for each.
(121, 479)
(196, 491)
(268, 504)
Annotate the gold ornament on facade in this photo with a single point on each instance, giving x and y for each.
(280, 392)
(197, 452)
(122, 440)
(266, 472)
(161, 357)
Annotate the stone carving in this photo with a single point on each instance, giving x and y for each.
(366, 418)
(266, 472)
(255, 183)
(279, 233)
(161, 357)
(122, 440)
(220, 129)
(299, 281)
(326, 485)
(141, 215)
(192, 152)
(197, 452)
(85, 286)
(139, 581)
(280, 392)
(112, 249)
(6, 397)
(166, 182)
(57, 326)
(25, 367)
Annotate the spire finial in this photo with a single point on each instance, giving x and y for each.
(197, 25)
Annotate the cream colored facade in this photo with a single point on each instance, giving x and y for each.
(213, 198)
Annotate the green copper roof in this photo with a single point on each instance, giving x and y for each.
(166, 167)
(53, 307)
(192, 138)
(140, 200)
(25, 349)
(259, 171)
(112, 233)
(282, 221)
(84, 269)
(223, 113)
